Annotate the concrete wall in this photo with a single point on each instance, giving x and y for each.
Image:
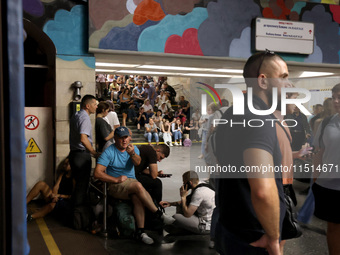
(67, 72)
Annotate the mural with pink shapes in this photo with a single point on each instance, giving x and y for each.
(186, 44)
(335, 9)
(219, 28)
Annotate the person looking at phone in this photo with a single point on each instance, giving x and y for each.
(147, 171)
(194, 211)
(116, 167)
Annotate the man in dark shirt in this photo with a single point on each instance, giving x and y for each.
(172, 91)
(251, 204)
(185, 106)
(147, 172)
(301, 131)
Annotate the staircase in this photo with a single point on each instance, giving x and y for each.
(136, 138)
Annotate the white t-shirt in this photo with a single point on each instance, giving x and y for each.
(147, 107)
(112, 119)
(330, 178)
(204, 199)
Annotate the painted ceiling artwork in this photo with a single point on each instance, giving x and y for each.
(207, 27)
(66, 23)
(191, 27)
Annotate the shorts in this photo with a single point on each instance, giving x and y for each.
(327, 204)
(120, 190)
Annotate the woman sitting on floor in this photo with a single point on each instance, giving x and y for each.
(57, 199)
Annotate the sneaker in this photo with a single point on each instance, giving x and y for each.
(171, 144)
(180, 143)
(29, 217)
(146, 239)
(167, 143)
(176, 144)
(167, 220)
(200, 156)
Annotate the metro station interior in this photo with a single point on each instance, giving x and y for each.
(48, 46)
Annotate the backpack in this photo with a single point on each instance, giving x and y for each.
(188, 200)
(124, 218)
(83, 217)
(323, 126)
(187, 142)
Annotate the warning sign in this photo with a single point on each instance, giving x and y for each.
(32, 147)
(31, 122)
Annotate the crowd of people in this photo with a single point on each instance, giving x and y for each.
(141, 99)
(244, 212)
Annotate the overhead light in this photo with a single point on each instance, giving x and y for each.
(314, 74)
(207, 75)
(115, 64)
(227, 70)
(146, 72)
(105, 70)
(179, 68)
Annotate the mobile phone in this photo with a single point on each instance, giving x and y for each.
(164, 175)
(188, 185)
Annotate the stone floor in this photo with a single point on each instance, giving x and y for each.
(181, 159)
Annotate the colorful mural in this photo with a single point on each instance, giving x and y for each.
(190, 27)
(207, 28)
(66, 23)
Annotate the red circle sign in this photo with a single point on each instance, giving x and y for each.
(31, 122)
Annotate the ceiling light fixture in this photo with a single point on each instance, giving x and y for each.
(314, 74)
(207, 75)
(227, 70)
(115, 64)
(179, 68)
(105, 70)
(147, 72)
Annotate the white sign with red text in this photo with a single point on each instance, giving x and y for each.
(284, 36)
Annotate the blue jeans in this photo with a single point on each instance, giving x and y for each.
(228, 244)
(307, 209)
(177, 135)
(149, 136)
(204, 141)
(132, 114)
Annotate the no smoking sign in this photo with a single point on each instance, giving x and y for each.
(31, 122)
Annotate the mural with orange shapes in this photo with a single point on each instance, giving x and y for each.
(278, 9)
(148, 10)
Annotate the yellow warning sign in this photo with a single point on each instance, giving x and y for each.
(32, 147)
(78, 107)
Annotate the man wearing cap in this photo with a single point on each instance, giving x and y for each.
(119, 160)
(150, 90)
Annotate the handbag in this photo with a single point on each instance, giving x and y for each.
(290, 227)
